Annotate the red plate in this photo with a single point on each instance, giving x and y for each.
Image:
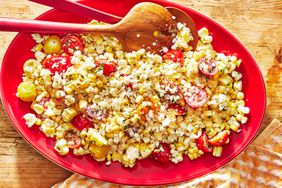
(145, 172)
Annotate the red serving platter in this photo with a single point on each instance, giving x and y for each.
(145, 172)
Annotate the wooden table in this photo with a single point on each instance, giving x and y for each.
(257, 23)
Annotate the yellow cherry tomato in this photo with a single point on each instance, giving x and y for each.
(30, 66)
(99, 152)
(26, 91)
(52, 45)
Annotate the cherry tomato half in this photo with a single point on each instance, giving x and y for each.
(175, 56)
(57, 63)
(162, 153)
(202, 143)
(219, 139)
(208, 67)
(81, 122)
(72, 43)
(195, 97)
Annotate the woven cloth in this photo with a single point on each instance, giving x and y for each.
(260, 165)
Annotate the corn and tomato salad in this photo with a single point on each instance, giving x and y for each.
(94, 98)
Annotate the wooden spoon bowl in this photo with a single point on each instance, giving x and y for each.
(147, 25)
(135, 31)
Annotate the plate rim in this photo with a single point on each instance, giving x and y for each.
(221, 164)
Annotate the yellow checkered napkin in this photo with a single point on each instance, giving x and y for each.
(260, 165)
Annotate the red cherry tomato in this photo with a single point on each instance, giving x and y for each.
(195, 97)
(175, 56)
(219, 139)
(72, 43)
(74, 141)
(109, 68)
(81, 122)
(208, 67)
(202, 143)
(162, 153)
(57, 63)
(178, 108)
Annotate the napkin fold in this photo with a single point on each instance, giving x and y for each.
(259, 165)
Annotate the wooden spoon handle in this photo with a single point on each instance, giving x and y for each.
(24, 25)
(78, 9)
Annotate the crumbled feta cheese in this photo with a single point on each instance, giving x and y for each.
(166, 122)
(38, 39)
(132, 153)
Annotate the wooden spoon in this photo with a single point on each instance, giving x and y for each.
(135, 31)
(85, 11)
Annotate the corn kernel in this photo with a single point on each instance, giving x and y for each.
(38, 122)
(61, 147)
(38, 108)
(68, 114)
(117, 156)
(234, 126)
(240, 95)
(217, 151)
(82, 104)
(244, 120)
(203, 32)
(96, 137)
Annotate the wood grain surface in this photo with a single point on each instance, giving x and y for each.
(258, 23)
